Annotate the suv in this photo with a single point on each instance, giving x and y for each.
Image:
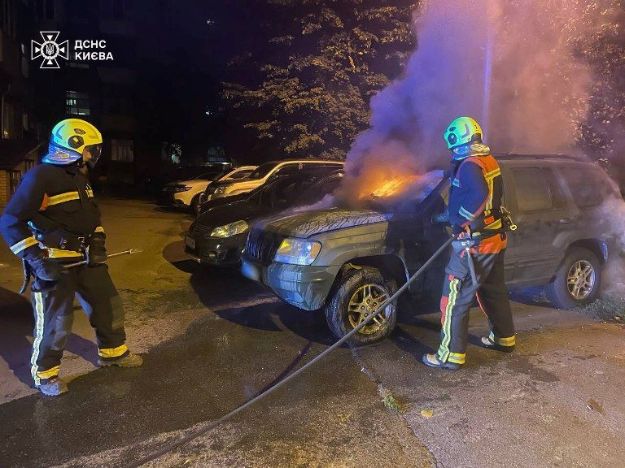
(187, 183)
(347, 261)
(265, 172)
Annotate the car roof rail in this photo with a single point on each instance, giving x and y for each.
(543, 156)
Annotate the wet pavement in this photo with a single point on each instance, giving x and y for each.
(212, 340)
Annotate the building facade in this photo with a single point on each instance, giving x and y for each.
(20, 130)
(102, 92)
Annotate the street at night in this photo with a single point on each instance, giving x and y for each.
(321, 233)
(212, 340)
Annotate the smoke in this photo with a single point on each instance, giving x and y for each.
(523, 69)
(517, 66)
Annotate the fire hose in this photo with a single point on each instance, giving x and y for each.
(28, 273)
(184, 440)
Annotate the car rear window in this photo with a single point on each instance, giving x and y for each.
(588, 187)
(537, 189)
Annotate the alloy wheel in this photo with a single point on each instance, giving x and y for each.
(365, 300)
(581, 279)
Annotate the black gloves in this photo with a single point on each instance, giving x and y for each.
(42, 267)
(96, 253)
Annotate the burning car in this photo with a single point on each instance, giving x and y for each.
(348, 261)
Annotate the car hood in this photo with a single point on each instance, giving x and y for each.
(225, 212)
(309, 223)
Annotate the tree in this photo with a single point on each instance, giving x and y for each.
(304, 88)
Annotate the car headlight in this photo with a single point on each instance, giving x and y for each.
(297, 251)
(229, 230)
(182, 188)
(219, 191)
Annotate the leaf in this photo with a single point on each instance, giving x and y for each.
(391, 403)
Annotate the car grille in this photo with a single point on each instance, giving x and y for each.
(262, 245)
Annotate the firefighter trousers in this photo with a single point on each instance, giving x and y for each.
(53, 310)
(458, 295)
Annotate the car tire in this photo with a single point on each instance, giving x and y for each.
(354, 288)
(577, 280)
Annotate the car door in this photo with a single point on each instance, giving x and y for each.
(589, 187)
(541, 211)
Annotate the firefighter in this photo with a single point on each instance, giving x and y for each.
(475, 215)
(53, 219)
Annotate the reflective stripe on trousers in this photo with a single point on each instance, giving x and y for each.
(37, 334)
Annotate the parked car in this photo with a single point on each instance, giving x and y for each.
(235, 175)
(265, 172)
(346, 261)
(188, 193)
(218, 235)
(155, 183)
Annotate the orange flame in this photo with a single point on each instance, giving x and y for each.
(382, 186)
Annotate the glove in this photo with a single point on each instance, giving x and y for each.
(96, 253)
(43, 268)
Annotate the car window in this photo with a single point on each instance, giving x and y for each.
(537, 189)
(262, 170)
(281, 192)
(588, 187)
(289, 169)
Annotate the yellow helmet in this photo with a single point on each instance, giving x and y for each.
(462, 131)
(69, 140)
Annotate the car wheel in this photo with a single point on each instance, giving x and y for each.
(358, 293)
(577, 281)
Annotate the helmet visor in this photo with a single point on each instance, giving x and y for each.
(91, 154)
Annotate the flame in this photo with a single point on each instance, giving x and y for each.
(384, 186)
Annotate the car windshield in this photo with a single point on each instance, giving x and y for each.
(240, 174)
(262, 170)
(319, 190)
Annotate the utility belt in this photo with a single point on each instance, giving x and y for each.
(61, 244)
(492, 223)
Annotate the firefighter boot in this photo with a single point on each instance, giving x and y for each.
(431, 360)
(127, 360)
(489, 343)
(52, 387)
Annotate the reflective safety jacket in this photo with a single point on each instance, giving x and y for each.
(475, 199)
(50, 198)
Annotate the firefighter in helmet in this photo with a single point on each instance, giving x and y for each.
(53, 219)
(476, 216)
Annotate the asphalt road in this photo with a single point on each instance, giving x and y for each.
(212, 340)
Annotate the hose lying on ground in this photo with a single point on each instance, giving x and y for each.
(184, 440)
